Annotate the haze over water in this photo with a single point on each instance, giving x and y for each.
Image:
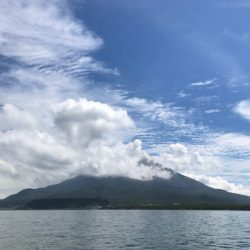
(121, 229)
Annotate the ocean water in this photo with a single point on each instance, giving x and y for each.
(124, 229)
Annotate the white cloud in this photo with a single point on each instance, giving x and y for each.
(34, 36)
(36, 156)
(12, 117)
(41, 159)
(122, 160)
(175, 119)
(211, 111)
(6, 169)
(182, 94)
(203, 83)
(205, 99)
(238, 81)
(217, 154)
(232, 141)
(220, 183)
(48, 49)
(48, 53)
(33, 149)
(243, 109)
(187, 158)
(86, 121)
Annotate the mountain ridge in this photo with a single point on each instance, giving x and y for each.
(127, 192)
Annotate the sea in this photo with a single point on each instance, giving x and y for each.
(124, 229)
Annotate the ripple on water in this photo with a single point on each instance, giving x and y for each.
(121, 229)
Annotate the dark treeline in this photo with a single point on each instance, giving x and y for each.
(98, 203)
(66, 203)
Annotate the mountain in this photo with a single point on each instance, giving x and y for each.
(120, 192)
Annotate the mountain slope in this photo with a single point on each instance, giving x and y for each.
(123, 192)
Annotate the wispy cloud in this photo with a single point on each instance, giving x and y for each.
(203, 83)
(238, 81)
(205, 99)
(211, 111)
(176, 121)
(241, 37)
(38, 37)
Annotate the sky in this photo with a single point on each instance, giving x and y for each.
(124, 88)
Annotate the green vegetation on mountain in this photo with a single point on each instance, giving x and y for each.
(178, 192)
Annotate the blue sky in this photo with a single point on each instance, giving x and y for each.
(166, 79)
(162, 47)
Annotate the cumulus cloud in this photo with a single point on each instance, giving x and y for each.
(187, 158)
(243, 109)
(33, 150)
(123, 160)
(218, 154)
(12, 117)
(86, 121)
(78, 143)
(41, 159)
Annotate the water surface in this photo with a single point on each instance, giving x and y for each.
(124, 229)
